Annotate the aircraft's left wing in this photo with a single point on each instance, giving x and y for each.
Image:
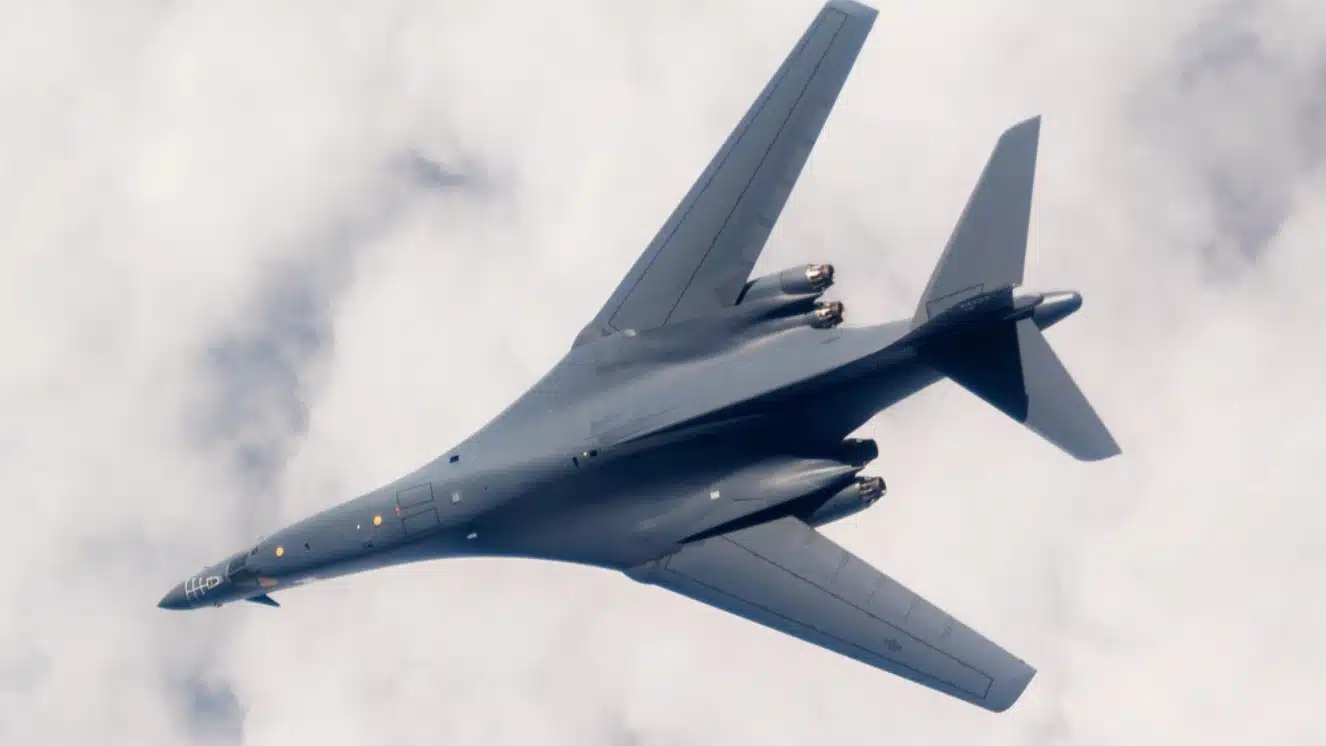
(702, 256)
(787, 576)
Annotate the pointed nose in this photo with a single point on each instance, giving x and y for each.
(176, 599)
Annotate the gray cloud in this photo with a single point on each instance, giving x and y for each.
(259, 260)
(213, 713)
(1248, 112)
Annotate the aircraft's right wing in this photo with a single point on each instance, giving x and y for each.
(787, 576)
(701, 258)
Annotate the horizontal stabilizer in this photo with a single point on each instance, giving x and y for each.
(1012, 367)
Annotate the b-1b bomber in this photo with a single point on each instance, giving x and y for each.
(697, 433)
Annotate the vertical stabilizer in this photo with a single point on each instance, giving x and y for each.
(988, 248)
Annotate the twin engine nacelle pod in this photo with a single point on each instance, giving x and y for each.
(789, 299)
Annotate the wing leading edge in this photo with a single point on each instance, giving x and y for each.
(701, 258)
(787, 576)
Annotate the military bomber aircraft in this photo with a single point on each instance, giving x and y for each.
(697, 432)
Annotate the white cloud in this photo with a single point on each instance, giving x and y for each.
(176, 180)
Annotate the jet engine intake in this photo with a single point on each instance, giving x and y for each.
(850, 500)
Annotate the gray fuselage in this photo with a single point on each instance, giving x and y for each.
(628, 446)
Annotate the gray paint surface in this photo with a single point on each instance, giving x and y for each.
(696, 433)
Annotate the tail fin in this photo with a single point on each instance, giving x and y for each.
(989, 342)
(988, 248)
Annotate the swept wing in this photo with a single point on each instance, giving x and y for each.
(703, 255)
(787, 576)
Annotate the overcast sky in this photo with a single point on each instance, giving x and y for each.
(258, 258)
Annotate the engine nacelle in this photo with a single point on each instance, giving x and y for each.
(808, 280)
(757, 489)
(814, 278)
(858, 452)
(850, 500)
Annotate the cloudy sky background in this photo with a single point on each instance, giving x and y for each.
(258, 259)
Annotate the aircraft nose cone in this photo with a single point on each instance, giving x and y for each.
(176, 599)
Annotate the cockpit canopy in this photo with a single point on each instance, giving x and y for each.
(238, 572)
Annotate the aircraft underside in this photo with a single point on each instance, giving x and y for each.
(698, 431)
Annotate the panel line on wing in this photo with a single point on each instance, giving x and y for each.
(989, 680)
(697, 262)
(734, 141)
(911, 607)
(773, 143)
(717, 166)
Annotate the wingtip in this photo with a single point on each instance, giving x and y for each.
(851, 7)
(1007, 692)
(1030, 126)
(1100, 448)
(1104, 454)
